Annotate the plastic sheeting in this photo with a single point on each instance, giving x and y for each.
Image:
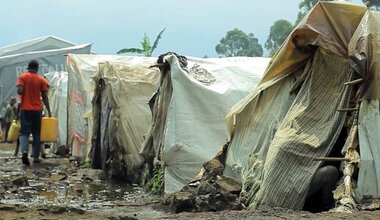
(249, 146)
(58, 103)
(369, 129)
(122, 115)
(194, 128)
(329, 25)
(272, 156)
(365, 53)
(308, 130)
(81, 68)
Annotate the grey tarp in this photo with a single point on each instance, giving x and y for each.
(365, 52)
(50, 60)
(37, 44)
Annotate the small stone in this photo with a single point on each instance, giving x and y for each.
(221, 205)
(214, 166)
(77, 210)
(206, 188)
(62, 151)
(78, 188)
(4, 207)
(13, 189)
(20, 181)
(58, 210)
(238, 206)
(182, 201)
(229, 184)
(57, 178)
(167, 199)
(87, 179)
(202, 203)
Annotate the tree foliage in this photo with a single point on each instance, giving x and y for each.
(279, 31)
(372, 4)
(147, 48)
(238, 43)
(305, 6)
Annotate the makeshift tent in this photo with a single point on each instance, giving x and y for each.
(310, 95)
(81, 89)
(58, 103)
(11, 65)
(189, 107)
(122, 115)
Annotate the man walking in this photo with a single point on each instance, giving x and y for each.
(9, 116)
(31, 87)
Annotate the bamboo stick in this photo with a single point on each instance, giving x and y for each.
(353, 82)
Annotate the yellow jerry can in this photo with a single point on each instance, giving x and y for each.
(14, 131)
(49, 129)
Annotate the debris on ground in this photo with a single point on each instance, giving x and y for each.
(209, 191)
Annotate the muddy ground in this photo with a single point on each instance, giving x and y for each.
(58, 188)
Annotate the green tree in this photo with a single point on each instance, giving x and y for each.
(238, 43)
(279, 31)
(305, 6)
(372, 4)
(147, 48)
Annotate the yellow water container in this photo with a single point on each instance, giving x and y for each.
(14, 131)
(49, 129)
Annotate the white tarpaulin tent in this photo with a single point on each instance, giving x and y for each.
(80, 93)
(189, 111)
(322, 83)
(122, 115)
(49, 52)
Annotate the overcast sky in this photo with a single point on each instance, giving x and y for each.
(193, 27)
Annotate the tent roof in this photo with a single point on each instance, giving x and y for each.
(41, 43)
(329, 25)
(16, 58)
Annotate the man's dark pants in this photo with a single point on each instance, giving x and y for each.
(30, 123)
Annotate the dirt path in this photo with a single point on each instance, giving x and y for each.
(58, 189)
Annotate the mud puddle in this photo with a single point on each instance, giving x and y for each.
(59, 182)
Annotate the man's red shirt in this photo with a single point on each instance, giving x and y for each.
(33, 85)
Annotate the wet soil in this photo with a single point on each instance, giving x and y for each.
(58, 188)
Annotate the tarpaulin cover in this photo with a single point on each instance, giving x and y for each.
(291, 116)
(365, 52)
(122, 115)
(80, 93)
(308, 130)
(58, 103)
(191, 119)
